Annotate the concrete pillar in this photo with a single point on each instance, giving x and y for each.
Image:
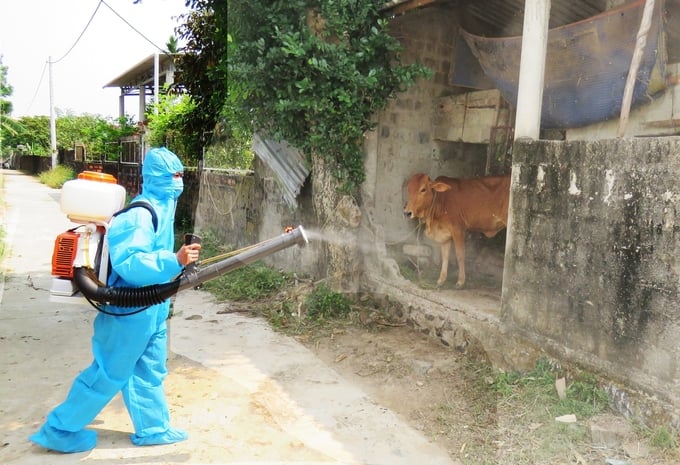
(532, 68)
(142, 102)
(121, 104)
(156, 72)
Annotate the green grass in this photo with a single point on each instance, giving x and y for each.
(525, 405)
(324, 303)
(267, 289)
(56, 177)
(251, 282)
(248, 283)
(584, 398)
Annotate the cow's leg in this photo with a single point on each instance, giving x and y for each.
(459, 241)
(446, 251)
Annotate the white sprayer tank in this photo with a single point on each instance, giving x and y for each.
(92, 197)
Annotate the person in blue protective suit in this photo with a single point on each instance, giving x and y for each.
(130, 351)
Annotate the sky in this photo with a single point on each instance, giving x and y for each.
(32, 31)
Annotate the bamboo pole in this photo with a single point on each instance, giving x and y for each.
(645, 25)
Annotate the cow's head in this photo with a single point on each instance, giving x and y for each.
(420, 192)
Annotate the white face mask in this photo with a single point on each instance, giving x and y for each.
(177, 187)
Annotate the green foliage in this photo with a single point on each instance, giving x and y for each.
(254, 281)
(251, 282)
(200, 68)
(324, 303)
(229, 148)
(662, 438)
(584, 397)
(97, 134)
(6, 123)
(56, 177)
(314, 73)
(33, 138)
(169, 126)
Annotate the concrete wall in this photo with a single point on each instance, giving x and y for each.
(226, 207)
(243, 208)
(592, 270)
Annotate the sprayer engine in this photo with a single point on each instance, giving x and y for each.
(89, 201)
(80, 247)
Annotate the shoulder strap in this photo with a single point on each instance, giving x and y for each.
(143, 204)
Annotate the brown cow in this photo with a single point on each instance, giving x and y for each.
(449, 207)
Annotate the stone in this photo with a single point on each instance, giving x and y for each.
(609, 431)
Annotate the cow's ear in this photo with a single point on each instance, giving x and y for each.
(440, 186)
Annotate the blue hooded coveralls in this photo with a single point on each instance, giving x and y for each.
(129, 351)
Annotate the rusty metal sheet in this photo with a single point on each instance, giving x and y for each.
(287, 163)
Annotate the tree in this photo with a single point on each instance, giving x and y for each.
(310, 72)
(34, 136)
(168, 121)
(201, 68)
(95, 133)
(315, 73)
(7, 125)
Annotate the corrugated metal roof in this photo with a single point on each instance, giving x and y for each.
(287, 163)
(502, 18)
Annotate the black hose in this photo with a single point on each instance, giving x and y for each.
(123, 296)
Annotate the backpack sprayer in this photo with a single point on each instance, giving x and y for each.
(80, 257)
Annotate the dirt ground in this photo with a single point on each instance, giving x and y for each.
(442, 393)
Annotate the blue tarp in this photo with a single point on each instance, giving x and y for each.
(587, 66)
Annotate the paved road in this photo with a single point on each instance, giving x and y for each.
(245, 394)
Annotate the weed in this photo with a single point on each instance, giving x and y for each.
(324, 303)
(662, 438)
(584, 397)
(56, 177)
(525, 406)
(252, 282)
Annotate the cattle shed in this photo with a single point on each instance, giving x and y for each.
(586, 271)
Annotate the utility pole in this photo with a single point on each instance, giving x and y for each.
(53, 124)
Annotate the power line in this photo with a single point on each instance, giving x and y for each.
(133, 28)
(37, 89)
(102, 2)
(81, 34)
(80, 37)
